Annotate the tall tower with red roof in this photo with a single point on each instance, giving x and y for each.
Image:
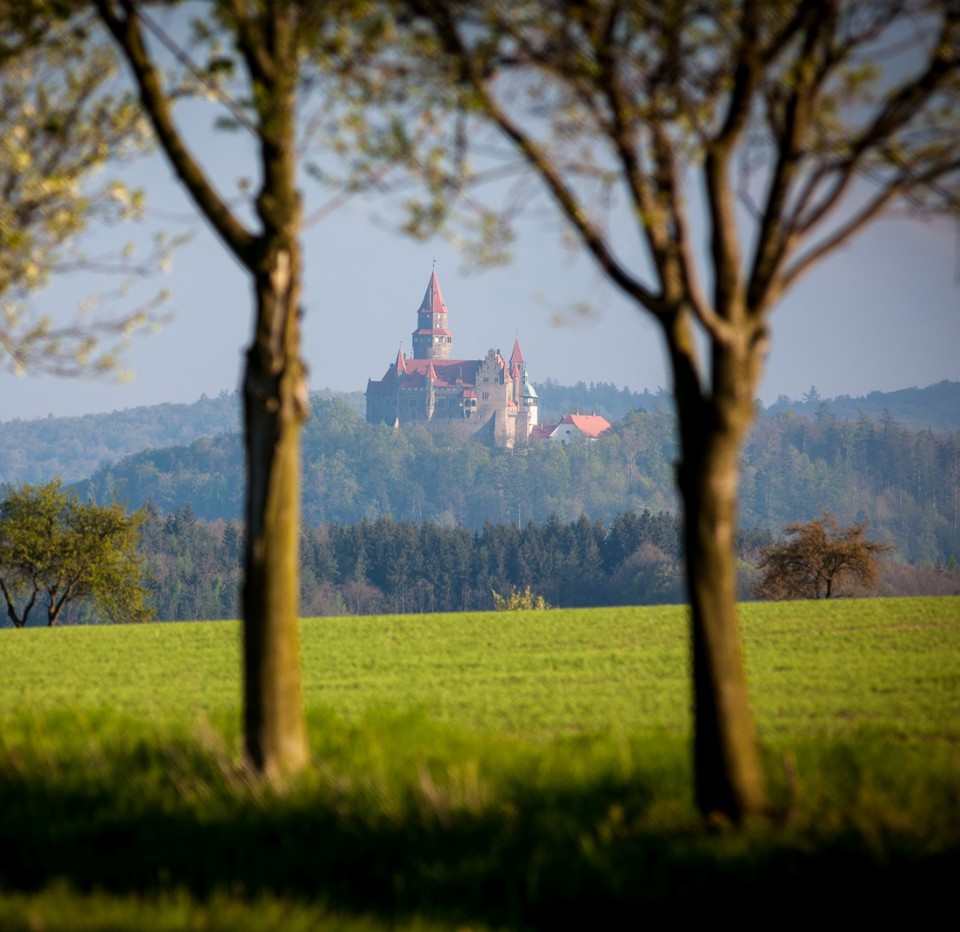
(456, 399)
(432, 339)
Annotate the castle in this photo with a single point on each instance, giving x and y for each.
(456, 399)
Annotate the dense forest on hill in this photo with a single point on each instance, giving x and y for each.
(73, 448)
(601, 398)
(903, 481)
(936, 407)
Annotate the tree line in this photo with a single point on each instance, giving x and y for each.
(90, 564)
(903, 482)
(404, 567)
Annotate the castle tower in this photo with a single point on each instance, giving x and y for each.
(524, 396)
(518, 370)
(432, 339)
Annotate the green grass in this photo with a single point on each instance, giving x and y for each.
(483, 770)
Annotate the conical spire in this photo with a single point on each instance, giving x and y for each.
(432, 299)
(516, 357)
(401, 363)
(432, 338)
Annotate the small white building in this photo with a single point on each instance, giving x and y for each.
(587, 426)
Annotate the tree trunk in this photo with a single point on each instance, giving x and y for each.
(19, 621)
(55, 606)
(728, 776)
(274, 408)
(274, 388)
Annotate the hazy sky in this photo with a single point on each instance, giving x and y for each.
(884, 313)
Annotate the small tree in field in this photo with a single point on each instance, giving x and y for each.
(55, 550)
(819, 560)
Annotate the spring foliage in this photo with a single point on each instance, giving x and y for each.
(55, 550)
(525, 600)
(61, 123)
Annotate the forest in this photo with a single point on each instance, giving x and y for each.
(380, 566)
(386, 566)
(395, 523)
(904, 482)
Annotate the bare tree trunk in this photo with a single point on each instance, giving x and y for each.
(728, 776)
(55, 606)
(275, 405)
(276, 739)
(19, 621)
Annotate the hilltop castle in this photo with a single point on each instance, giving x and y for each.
(455, 399)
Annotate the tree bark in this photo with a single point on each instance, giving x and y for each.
(275, 406)
(728, 776)
(19, 621)
(274, 392)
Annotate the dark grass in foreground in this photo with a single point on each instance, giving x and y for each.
(418, 820)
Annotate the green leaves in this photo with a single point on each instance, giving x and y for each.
(61, 122)
(55, 550)
(525, 600)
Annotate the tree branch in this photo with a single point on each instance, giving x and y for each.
(858, 220)
(900, 108)
(570, 207)
(724, 238)
(260, 64)
(774, 234)
(126, 31)
(678, 275)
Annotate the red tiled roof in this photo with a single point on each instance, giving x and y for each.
(590, 425)
(543, 431)
(446, 372)
(516, 357)
(432, 300)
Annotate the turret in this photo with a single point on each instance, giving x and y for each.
(432, 339)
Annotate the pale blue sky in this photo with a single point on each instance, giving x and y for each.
(884, 313)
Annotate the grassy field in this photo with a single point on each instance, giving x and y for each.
(485, 770)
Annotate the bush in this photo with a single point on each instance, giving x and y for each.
(517, 601)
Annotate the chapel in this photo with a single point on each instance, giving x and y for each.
(486, 399)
